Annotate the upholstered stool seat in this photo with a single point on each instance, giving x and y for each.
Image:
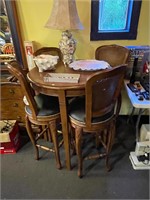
(46, 105)
(77, 111)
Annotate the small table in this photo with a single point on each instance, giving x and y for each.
(61, 90)
(142, 105)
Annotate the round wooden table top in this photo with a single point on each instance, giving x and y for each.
(37, 78)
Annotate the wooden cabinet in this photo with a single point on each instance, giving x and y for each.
(11, 102)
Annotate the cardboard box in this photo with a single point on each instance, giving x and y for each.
(29, 50)
(10, 140)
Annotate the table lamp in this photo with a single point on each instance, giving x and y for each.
(64, 16)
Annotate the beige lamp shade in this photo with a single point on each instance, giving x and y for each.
(64, 16)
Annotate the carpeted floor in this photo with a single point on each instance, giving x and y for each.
(22, 177)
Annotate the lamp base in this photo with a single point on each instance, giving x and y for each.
(67, 46)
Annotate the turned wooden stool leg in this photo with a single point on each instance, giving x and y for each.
(78, 138)
(53, 130)
(111, 136)
(32, 137)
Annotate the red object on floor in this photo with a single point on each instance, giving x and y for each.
(14, 143)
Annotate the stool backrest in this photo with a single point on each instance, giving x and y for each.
(54, 51)
(102, 91)
(16, 70)
(113, 54)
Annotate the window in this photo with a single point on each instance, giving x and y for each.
(114, 20)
